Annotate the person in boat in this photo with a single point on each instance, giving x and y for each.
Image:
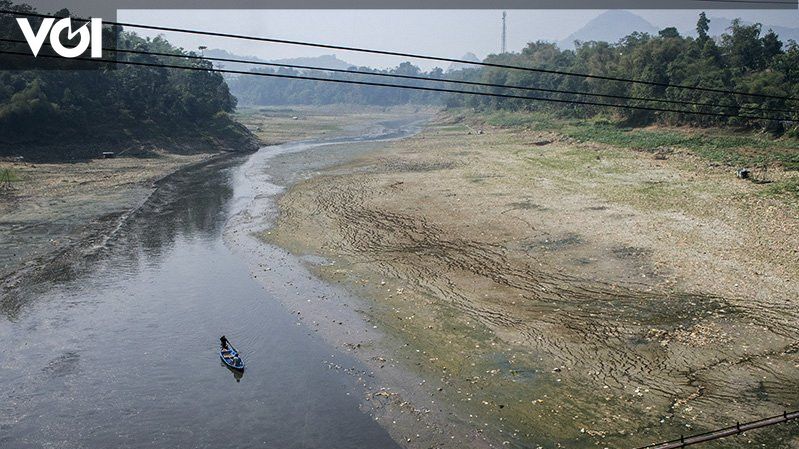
(223, 341)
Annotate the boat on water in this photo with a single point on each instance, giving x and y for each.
(231, 358)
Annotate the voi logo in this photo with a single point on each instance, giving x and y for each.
(88, 38)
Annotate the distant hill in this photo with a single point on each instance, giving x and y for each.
(460, 66)
(609, 26)
(719, 25)
(325, 61)
(219, 53)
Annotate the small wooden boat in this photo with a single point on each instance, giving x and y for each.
(231, 358)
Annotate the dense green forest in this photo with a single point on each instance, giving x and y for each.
(745, 59)
(73, 114)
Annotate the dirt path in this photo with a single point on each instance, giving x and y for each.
(566, 293)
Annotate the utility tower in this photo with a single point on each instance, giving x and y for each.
(504, 33)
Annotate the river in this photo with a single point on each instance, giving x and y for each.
(122, 353)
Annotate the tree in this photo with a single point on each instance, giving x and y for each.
(78, 109)
(772, 46)
(702, 27)
(743, 46)
(669, 32)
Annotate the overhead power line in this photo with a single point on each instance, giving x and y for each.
(400, 86)
(438, 80)
(723, 433)
(410, 55)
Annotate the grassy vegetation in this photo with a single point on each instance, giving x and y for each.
(728, 147)
(278, 125)
(787, 188)
(8, 176)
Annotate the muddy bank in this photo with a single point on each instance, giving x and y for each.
(275, 125)
(56, 215)
(143, 141)
(563, 293)
(59, 217)
(411, 408)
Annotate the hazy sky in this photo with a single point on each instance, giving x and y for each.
(448, 33)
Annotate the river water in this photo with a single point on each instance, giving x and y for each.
(123, 352)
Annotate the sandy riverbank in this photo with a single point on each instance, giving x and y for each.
(565, 292)
(409, 407)
(275, 125)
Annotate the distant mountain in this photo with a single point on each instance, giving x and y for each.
(460, 66)
(219, 53)
(324, 61)
(609, 26)
(719, 25)
(613, 25)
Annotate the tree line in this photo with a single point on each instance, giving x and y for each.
(282, 91)
(745, 58)
(181, 108)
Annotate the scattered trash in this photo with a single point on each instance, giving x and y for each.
(743, 173)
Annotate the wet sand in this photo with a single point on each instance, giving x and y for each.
(562, 293)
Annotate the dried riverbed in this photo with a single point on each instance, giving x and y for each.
(505, 289)
(562, 293)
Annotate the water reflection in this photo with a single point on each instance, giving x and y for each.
(190, 204)
(236, 373)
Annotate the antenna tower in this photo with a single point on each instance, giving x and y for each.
(504, 33)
